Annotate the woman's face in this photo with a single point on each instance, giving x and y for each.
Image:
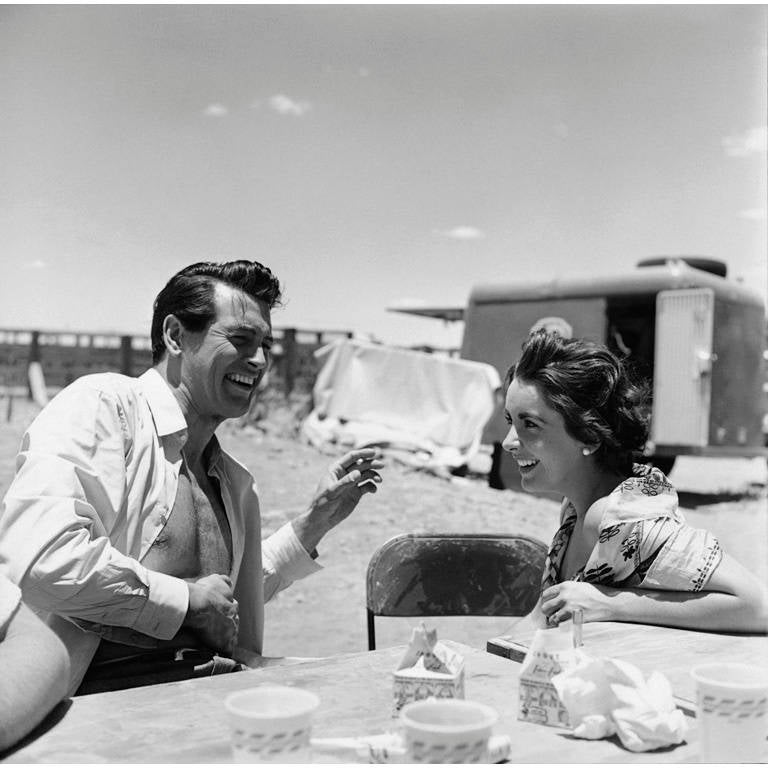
(548, 458)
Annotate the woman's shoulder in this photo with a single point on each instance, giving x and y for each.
(647, 480)
(646, 494)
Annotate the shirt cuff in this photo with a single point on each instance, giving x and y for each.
(283, 553)
(166, 606)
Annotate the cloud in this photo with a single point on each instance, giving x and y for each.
(753, 214)
(461, 233)
(751, 142)
(284, 105)
(561, 130)
(216, 110)
(36, 264)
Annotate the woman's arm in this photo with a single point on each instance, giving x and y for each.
(733, 600)
(34, 675)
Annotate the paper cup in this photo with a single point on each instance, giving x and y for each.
(447, 730)
(732, 702)
(271, 724)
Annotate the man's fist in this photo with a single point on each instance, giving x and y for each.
(212, 612)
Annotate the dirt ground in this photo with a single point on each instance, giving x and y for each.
(325, 614)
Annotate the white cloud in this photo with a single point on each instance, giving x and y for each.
(561, 130)
(753, 214)
(36, 264)
(751, 142)
(216, 110)
(284, 105)
(461, 233)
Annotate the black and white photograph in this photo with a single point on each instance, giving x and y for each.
(383, 383)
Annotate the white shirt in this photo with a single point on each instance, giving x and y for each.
(10, 597)
(96, 479)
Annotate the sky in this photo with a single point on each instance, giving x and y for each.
(370, 154)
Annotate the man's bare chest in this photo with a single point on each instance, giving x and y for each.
(196, 540)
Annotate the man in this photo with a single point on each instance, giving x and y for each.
(129, 525)
(34, 667)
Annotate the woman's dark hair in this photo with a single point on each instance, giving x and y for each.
(189, 295)
(591, 389)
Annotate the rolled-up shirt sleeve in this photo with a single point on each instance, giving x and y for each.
(65, 500)
(284, 560)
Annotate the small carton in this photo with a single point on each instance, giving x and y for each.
(428, 668)
(551, 652)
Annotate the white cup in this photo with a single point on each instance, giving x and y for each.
(271, 724)
(447, 730)
(732, 701)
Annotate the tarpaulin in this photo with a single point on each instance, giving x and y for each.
(433, 408)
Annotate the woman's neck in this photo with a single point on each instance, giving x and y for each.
(592, 486)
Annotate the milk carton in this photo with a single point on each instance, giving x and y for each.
(551, 652)
(428, 668)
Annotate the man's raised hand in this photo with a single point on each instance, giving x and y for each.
(338, 493)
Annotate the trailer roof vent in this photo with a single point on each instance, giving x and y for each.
(714, 266)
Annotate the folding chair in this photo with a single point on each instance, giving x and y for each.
(453, 575)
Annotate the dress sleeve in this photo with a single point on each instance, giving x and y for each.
(55, 522)
(644, 541)
(685, 562)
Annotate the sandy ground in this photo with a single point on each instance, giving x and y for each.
(325, 614)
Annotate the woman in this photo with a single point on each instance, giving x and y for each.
(623, 551)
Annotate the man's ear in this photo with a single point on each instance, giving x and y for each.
(173, 333)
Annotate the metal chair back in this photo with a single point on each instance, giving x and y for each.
(453, 575)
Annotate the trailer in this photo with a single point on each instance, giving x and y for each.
(695, 335)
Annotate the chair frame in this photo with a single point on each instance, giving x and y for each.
(538, 548)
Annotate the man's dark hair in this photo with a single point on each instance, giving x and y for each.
(189, 295)
(591, 389)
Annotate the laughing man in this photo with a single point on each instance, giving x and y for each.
(131, 530)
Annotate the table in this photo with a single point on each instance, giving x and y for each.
(185, 721)
(667, 649)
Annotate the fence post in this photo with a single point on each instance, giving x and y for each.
(126, 355)
(33, 357)
(289, 359)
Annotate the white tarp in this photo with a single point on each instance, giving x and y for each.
(431, 409)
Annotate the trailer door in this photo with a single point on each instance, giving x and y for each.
(682, 382)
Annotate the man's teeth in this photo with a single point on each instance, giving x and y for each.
(248, 381)
(526, 462)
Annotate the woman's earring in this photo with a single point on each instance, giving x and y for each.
(585, 451)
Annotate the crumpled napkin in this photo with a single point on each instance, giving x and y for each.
(608, 696)
(390, 748)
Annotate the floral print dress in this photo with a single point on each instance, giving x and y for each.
(643, 540)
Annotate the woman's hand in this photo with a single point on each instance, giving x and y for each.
(559, 601)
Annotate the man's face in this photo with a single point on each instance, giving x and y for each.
(222, 366)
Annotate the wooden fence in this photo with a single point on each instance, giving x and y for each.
(64, 356)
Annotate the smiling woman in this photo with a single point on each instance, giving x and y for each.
(623, 551)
